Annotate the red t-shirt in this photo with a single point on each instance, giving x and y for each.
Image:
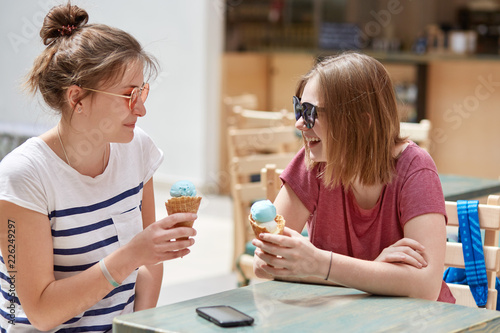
(338, 224)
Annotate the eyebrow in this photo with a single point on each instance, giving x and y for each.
(139, 86)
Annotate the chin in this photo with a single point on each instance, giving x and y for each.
(128, 139)
(316, 156)
(316, 159)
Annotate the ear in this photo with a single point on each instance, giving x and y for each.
(73, 96)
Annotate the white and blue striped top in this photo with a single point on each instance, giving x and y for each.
(89, 219)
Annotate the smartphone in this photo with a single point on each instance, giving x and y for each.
(224, 316)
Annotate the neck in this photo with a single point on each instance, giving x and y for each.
(366, 196)
(85, 153)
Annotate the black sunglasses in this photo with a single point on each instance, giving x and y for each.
(305, 110)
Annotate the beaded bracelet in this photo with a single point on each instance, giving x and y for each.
(108, 276)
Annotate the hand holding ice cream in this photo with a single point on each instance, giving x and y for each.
(263, 218)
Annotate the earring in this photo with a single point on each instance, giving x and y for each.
(79, 110)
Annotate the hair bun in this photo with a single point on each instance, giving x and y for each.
(61, 21)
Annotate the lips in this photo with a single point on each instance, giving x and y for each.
(130, 125)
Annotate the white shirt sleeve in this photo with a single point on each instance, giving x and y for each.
(20, 183)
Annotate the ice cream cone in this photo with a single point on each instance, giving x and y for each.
(183, 204)
(257, 229)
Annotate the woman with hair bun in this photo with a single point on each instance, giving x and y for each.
(372, 200)
(79, 240)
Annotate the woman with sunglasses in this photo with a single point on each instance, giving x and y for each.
(79, 240)
(372, 200)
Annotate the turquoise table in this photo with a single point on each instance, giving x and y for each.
(294, 307)
(464, 188)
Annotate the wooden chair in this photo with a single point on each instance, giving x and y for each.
(417, 132)
(228, 103)
(489, 220)
(267, 188)
(249, 151)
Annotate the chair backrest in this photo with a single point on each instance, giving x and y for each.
(489, 221)
(417, 132)
(241, 117)
(247, 101)
(249, 151)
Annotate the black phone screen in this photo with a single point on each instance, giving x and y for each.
(224, 315)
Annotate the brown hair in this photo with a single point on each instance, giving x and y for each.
(362, 122)
(86, 55)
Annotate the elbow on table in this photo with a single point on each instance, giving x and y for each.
(427, 295)
(428, 291)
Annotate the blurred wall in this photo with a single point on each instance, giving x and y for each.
(185, 36)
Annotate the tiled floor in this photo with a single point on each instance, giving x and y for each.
(207, 269)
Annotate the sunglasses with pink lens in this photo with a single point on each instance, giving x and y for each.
(137, 92)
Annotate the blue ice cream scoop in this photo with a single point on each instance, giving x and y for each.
(183, 188)
(263, 211)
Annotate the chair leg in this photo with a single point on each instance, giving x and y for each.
(243, 280)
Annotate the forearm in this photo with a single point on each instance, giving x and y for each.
(382, 278)
(147, 288)
(413, 266)
(66, 298)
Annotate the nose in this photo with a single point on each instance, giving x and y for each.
(139, 108)
(301, 125)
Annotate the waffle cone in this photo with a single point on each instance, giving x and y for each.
(183, 205)
(257, 229)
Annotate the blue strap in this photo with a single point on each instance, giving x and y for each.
(472, 246)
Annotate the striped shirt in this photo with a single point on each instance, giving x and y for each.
(89, 219)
